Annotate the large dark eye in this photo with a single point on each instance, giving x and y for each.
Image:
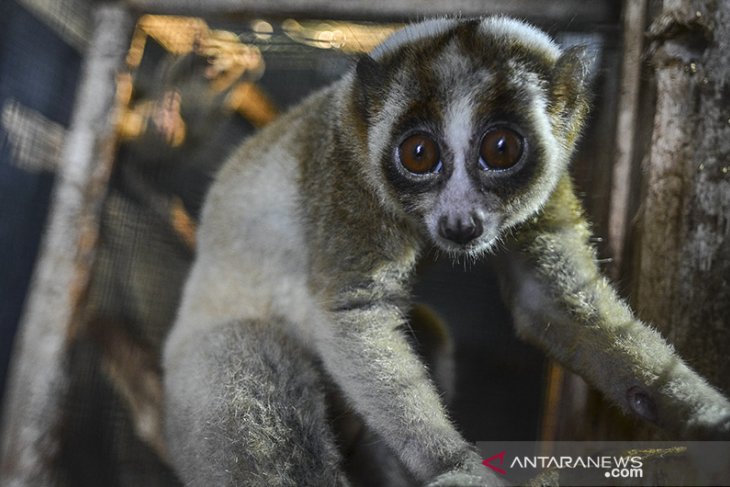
(501, 148)
(419, 154)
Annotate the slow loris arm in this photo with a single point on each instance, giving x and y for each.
(368, 355)
(562, 303)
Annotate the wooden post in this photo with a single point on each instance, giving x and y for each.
(37, 380)
(634, 26)
(683, 280)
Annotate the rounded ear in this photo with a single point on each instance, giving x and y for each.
(570, 88)
(369, 72)
(370, 79)
(571, 76)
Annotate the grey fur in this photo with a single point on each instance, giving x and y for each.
(308, 242)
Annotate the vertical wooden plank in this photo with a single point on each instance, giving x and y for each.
(634, 22)
(683, 282)
(32, 407)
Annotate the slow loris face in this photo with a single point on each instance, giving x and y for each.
(469, 130)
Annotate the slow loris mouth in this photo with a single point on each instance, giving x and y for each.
(475, 248)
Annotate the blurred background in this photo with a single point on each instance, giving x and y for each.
(115, 118)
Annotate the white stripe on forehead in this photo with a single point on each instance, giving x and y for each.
(526, 34)
(413, 33)
(461, 85)
(458, 124)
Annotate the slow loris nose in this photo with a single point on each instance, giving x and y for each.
(461, 230)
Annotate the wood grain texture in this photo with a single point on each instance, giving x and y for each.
(683, 282)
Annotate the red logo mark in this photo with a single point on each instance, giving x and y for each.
(488, 462)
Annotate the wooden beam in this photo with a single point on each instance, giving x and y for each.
(577, 13)
(37, 380)
(683, 282)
